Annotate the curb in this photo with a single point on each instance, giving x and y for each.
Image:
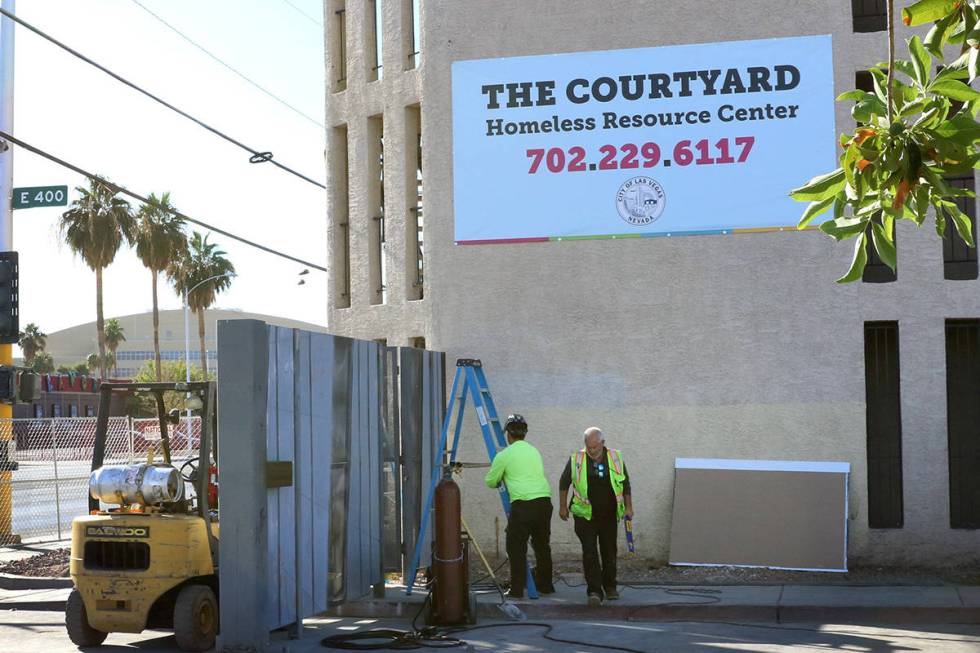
(704, 613)
(34, 606)
(12, 582)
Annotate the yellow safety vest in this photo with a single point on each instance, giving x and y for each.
(581, 507)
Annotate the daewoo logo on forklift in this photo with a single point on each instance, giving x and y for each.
(146, 555)
(117, 531)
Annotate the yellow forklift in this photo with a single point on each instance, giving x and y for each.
(147, 554)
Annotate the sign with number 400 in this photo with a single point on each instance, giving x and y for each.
(31, 197)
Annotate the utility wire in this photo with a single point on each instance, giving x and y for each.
(229, 67)
(94, 177)
(257, 156)
(304, 14)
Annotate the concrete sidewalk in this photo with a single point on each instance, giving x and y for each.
(767, 603)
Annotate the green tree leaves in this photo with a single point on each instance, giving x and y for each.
(892, 167)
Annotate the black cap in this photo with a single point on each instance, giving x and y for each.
(515, 422)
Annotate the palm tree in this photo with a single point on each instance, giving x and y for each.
(114, 336)
(92, 362)
(159, 240)
(31, 342)
(43, 363)
(94, 228)
(201, 261)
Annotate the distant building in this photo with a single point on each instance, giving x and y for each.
(66, 395)
(72, 345)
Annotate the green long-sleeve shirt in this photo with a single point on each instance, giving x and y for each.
(521, 469)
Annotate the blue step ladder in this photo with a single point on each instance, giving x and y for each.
(468, 382)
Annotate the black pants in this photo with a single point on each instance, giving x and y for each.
(601, 529)
(529, 519)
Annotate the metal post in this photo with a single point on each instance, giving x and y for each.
(130, 434)
(187, 367)
(57, 491)
(6, 234)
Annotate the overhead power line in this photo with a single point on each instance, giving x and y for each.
(121, 189)
(304, 14)
(228, 66)
(258, 156)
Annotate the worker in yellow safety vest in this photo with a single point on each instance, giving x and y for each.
(601, 497)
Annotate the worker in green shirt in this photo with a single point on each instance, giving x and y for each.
(520, 468)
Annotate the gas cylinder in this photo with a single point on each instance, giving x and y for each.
(449, 593)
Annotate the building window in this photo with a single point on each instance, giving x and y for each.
(38, 411)
(963, 421)
(414, 242)
(376, 24)
(89, 411)
(412, 38)
(382, 341)
(339, 50)
(869, 15)
(883, 419)
(876, 271)
(55, 410)
(959, 259)
(72, 410)
(377, 250)
(341, 210)
(418, 343)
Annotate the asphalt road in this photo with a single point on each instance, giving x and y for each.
(43, 632)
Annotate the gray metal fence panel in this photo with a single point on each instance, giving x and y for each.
(305, 470)
(272, 495)
(321, 410)
(410, 401)
(342, 374)
(286, 435)
(243, 395)
(391, 529)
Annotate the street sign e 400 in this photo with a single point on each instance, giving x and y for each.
(31, 197)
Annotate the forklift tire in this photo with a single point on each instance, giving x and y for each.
(80, 632)
(195, 618)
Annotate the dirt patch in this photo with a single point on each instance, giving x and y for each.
(646, 572)
(52, 564)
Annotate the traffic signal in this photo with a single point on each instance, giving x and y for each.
(9, 300)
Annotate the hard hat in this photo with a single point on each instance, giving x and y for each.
(515, 422)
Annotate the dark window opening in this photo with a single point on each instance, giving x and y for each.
(869, 15)
(883, 419)
(959, 259)
(876, 271)
(963, 421)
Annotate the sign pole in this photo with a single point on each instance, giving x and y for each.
(6, 243)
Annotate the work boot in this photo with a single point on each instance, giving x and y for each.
(612, 595)
(594, 600)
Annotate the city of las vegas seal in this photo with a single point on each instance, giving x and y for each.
(640, 201)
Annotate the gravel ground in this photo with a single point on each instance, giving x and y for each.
(50, 563)
(636, 570)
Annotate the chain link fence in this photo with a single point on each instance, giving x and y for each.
(49, 488)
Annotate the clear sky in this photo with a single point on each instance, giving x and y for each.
(78, 113)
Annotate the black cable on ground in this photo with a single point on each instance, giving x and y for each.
(258, 156)
(404, 640)
(94, 177)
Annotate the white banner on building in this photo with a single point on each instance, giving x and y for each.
(663, 141)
